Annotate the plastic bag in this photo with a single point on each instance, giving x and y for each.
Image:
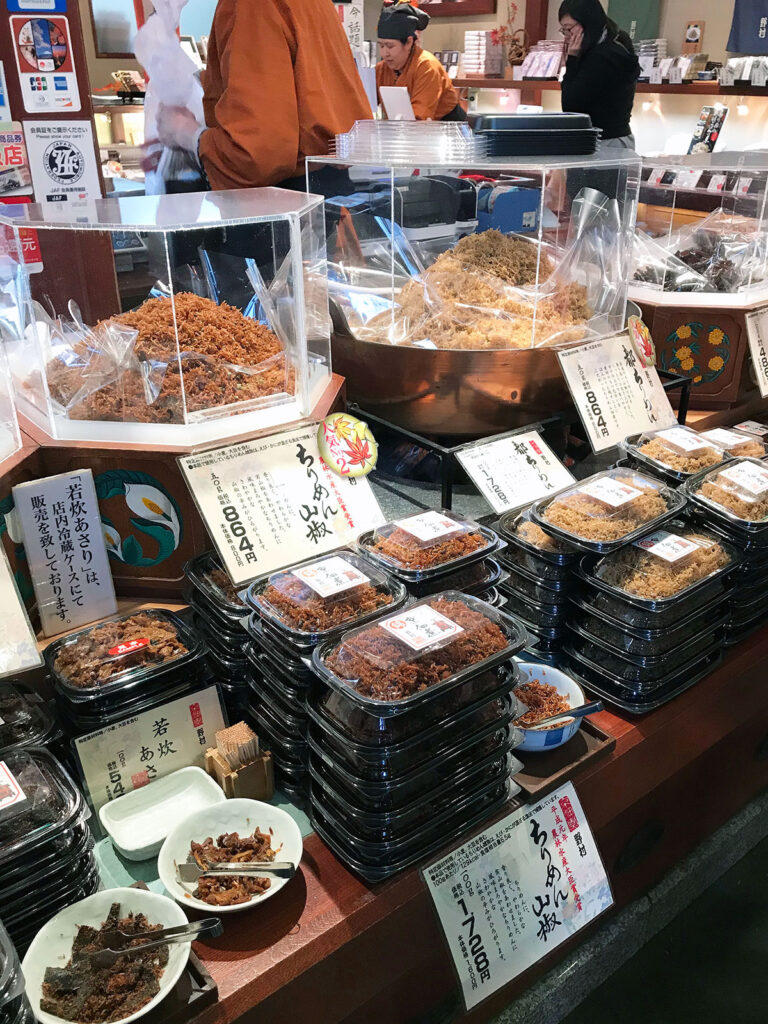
(655, 267)
(173, 81)
(728, 250)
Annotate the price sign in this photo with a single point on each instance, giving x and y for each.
(656, 175)
(727, 77)
(675, 76)
(274, 501)
(759, 75)
(655, 76)
(514, 471)
(716, 183)
(517, 891)
(757, 332)
(688, 177)
(614, 393)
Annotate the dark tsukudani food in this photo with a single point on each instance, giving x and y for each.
(231, 848)
(542, 701)
(306, 610)
(407, 551)
(221, 581)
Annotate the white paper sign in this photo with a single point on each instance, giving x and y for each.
(688, 177)
(716, 183)
(683, 439)
(420, 627)
(514, 471)
(64, 542)
(271, 502)
(727, 77)
(655, 76)
(669, 546)
(676, 76)
(18, 650)
(759, 75)
(725, 438)
(614, 393)
(517, 891)
(610, 492)
(757, 333)
(751, 478)
(753, 427)
(743, 185)
(657, 173)
(427, 526)
(132, 753)
(11, 793)
(63, 164)
(331, 576)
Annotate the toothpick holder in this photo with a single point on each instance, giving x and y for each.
(254, 781)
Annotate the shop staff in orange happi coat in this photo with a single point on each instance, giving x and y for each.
(405, 63)
(280, 83)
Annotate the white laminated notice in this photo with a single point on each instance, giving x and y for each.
(610, 492)
(716, 183)
(752, 427)
(753, 479)
(331, 576)
(725, 438)
(428, 526)
(11, 792)
(669, 546)
(682, 439)
(757, 334)
(421, 627)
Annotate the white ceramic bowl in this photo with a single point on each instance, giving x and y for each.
(241, 816)
(52, 946)
(548, 739)
(139, 822)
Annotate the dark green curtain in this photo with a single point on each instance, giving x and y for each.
(639, 18)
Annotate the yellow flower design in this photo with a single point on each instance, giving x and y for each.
(684, 332)
(716, 363)
(683, 353)
(686, 364)
(716, 336)
(697, 379)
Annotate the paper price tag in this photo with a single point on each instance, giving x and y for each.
(727, 77)
(610, 492)
(753, 427)
(682, 439)
(11, 793)
(757, 334)
(421, 627)
(716, 183)
(428, 526)
(675, 76)
(517, 891)
(655, 76)
(514, 471)
(657, 173)
(614, 393)
(669, 546)
(725, 438)
(687, 178)
(331, 576)
(743, 186)
(751, 478)
(759, 75)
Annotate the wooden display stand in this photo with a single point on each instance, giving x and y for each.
(254, 781)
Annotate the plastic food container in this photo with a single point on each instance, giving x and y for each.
(80, 719)
(292, 688)
(543, 591)
(24, 720)
(737, 443)
(269, 643)
(534, 614)
(292, 782)
(475, 579)
(531, 549)
(607, 510)
(215, 588)
(11, 978)
(124, 654)
(420, 654)
(221, 641)
(67, 876)
(290, 750)
(623, 613)
(676, 453)
(736, 495)
(264, 679)
(291, 725)
(427, 544)
(318, 599)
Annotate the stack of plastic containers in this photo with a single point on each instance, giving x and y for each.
(733, 501)
(14, 1006)
(217, 614)
(46, 849)
(652, 618)
(678, 453)
(540, 581)
(410, 142)
(25, 721)
(411, 738)
(433, 551)
(124, 666)
(295, 609)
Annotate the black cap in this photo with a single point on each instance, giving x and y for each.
(401, 20)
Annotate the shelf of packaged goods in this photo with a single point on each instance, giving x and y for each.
(686, 89)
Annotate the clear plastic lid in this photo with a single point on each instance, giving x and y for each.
(207, 575)
(738, 443)
(427, 544)
(11, 978)
(608, 509)
(314, 599)
(679, 449)
(24, 719)
(521, 530)
(409, 658)
(665, 565)
(123, 650)
(738, 492)
(38, 800)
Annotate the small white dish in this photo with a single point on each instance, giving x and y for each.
(52, 946)
(548, 739)
(139, 822)
(241, 816)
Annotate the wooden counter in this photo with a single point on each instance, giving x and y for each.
(333, 949)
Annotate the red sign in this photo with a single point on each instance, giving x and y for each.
(140, 779)
(30, 243)
(568, 812)
(129, 647)
(197, 717)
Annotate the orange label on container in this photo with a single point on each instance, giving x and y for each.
(128, 647)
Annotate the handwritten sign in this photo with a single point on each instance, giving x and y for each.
(18, 651)
(132, 753)
(757, 333)
(517, 891)
(615, 395)
(514, 471)
(274, 501)
(64, 542)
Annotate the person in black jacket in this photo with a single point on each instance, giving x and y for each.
(601, 71)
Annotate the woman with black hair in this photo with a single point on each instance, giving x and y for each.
(405, 63)
(601, 71)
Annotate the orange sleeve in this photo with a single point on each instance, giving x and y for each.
(253, 138)
(426, 90)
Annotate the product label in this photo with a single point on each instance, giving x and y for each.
(725, 438)
(421, 627)
(11, 792)
(669, 546)
(610, 492)
(128, 647)
(428, 526)
(716, 183)
(682, 440)
(757, 335)
(331, 576)
(751, 478)
(753, 427)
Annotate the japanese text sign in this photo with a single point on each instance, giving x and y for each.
(15, 178)
(18, 651)
(517, 891)
(132, 753)
(64, 542)
(757, 332)
(514, 471)
(615, 394)
(274, 501)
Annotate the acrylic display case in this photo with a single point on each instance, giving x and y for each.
(452, 284)
(10, 440)
(175, 319)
